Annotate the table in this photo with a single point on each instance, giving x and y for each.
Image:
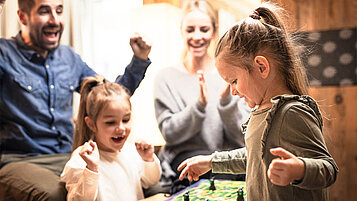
(157, 197)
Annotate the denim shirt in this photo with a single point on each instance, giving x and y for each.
(36, 96)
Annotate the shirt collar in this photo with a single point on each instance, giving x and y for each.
(29, 53)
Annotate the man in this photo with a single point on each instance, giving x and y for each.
(38, 77)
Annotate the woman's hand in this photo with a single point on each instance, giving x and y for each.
(202, 99)
(90, 155)
(145, 150)
(226, 92)
(285, 169)
(195, 167)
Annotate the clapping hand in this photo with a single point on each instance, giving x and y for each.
(145, 150)
(90, 155)
(140, 46)
(203, 88)
(226, 91)
(285, 169)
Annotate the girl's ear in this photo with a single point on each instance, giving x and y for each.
(262, 64)
(90, 123)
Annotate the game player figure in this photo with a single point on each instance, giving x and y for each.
(212, 186)
(240, 194)
(186, 197)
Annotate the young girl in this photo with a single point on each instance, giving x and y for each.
(102, 166)
(285, 156)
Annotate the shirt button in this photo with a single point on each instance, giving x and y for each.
(29, 88)
(52, 86)
(53, 127)
(47, 66)
(52, 109)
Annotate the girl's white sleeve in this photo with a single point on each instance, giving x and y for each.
(81, 183)
(151, 173)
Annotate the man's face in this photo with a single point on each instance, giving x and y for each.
(45, 24)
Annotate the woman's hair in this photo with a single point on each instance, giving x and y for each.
(96, 92)
(264, 33)
(205, 7)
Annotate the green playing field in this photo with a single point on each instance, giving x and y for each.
(225, 190)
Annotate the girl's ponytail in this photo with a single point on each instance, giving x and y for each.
(82, 133)
(293, 70)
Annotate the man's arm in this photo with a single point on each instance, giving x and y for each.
(135, 71)
(134, 74)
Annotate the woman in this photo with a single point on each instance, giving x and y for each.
(194, 109)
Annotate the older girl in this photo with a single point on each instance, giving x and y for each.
(285, 156)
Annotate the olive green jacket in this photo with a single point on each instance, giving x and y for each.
(295, 124)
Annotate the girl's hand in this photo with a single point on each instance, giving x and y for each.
(226, 92)
(90, 155)
(145, 150)
(195, 167)
(140, 46)
(286, 169)
(202, 99)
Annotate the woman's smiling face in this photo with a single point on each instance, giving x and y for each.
(197, 32)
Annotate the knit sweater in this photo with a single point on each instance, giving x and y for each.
(185, 124)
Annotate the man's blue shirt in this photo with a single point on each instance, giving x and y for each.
(36, 96)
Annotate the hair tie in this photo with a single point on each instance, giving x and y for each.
(255, 15)
(95, 84)
(100, 83)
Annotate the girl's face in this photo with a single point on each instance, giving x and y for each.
(197, 32)
(243, 84)
(113, 125)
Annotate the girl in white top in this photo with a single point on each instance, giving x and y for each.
(102, 166)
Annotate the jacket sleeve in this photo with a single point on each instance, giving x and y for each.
(81, 183)
(174, 118)
(233, 112)
(234, 161)
(133, 75)
(304, 138)
(151, 173)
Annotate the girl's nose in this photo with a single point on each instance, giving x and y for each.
(235, 92)
(120, 128)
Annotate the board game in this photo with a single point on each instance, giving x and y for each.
(224, 190)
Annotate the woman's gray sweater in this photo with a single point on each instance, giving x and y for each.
(185, 124)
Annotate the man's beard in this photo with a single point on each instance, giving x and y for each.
(39, 42)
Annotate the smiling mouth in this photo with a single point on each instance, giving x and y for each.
(51, 34)
(197, 46)
(118, 139)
